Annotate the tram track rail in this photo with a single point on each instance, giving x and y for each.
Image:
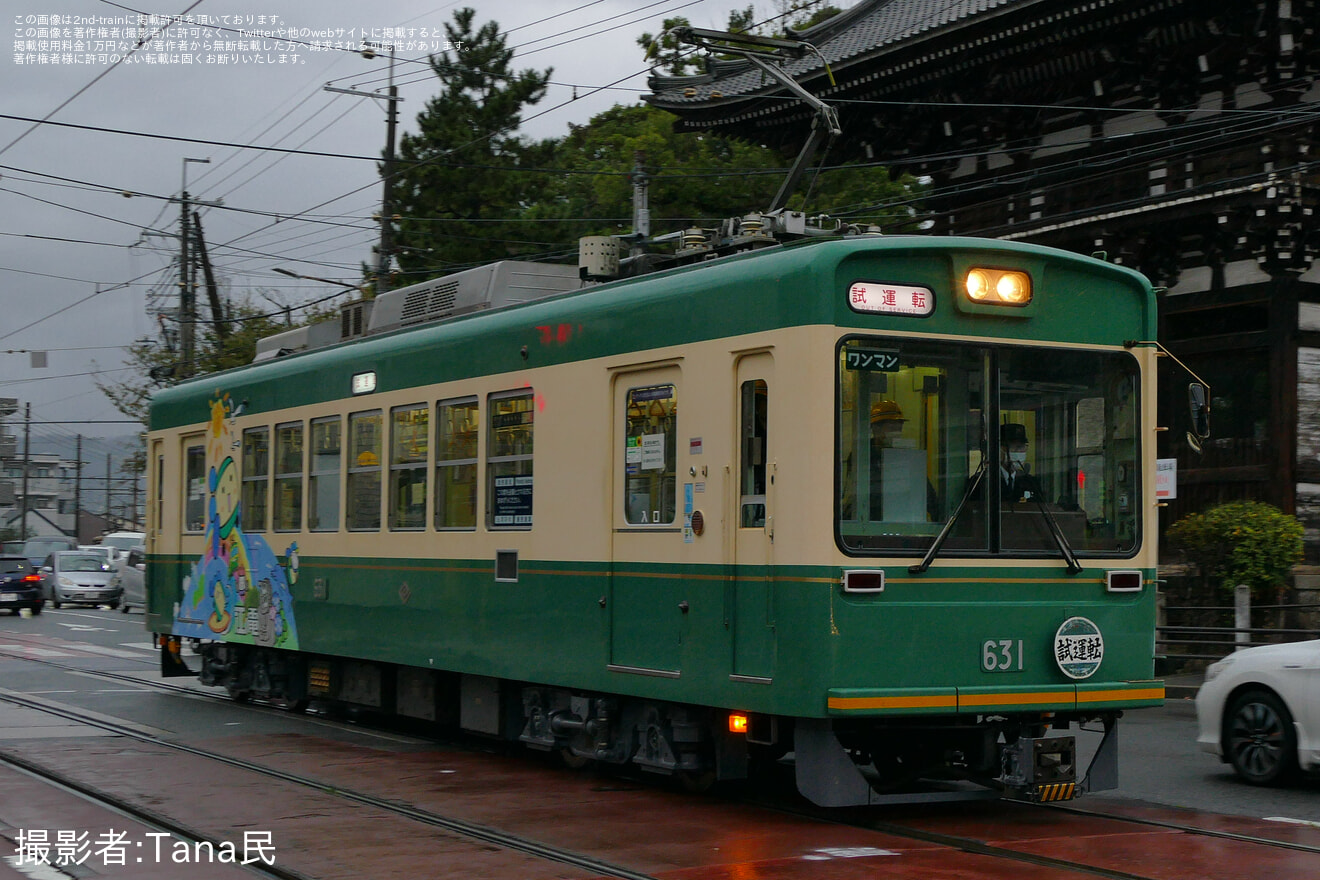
(461, 827)
(1189, 829)
(150, 818)
(864, 818)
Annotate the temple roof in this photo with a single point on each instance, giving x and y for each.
(862, 33)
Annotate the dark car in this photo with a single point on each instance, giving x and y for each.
(37, 550)
(73, 577)
(20, 585)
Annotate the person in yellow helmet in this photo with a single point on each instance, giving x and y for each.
(886, 422)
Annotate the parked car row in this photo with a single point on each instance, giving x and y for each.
(56, 569)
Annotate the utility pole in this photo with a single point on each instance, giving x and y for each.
(77, 492)
(107, 487)
(133, 515)
(187, 289)
(27, 457)
(385, 250)
(641, 204)
(221, 323)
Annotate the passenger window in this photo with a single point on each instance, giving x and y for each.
(364, 440)
(409, 426)
(288, 477)
(650, 477)
(256, 478)
(457, 423)
(194, 488)
(509, 461)
(323, 484)
(753, 433)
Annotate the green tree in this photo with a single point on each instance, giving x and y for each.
(156, 365)
(1242, 542)
(666, 54)
(463, 174)
(696, 178)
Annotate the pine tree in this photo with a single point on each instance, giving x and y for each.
(457, 180)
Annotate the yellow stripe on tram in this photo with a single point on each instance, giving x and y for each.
(1150, 693)
(938, 701)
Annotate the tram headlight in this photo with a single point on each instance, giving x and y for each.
(978, 285)
(998, 287)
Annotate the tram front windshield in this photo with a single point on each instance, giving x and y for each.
(1018, 436)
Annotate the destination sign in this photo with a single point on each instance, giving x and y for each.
(890, 299)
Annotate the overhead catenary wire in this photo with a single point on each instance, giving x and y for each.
(304, 216)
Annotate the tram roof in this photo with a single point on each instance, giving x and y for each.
(730, 296)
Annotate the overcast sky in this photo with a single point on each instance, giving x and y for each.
(79, 260)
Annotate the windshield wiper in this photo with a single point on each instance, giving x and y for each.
(935, 546)
(1057, 533)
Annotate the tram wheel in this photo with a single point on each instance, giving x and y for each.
(696, 781)
(572, 761)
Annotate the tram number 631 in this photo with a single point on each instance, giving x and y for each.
(1001, 655)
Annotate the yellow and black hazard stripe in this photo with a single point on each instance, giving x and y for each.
(1057, 791)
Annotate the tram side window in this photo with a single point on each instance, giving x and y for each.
(194, 487)
(323, 483)
(457, 423)
(509, 461)
(363, 495)
(256, 478)
(650, 478)
(287, 513)
(754, 452)
(409, 427)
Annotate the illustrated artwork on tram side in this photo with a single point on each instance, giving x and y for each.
(238, 591)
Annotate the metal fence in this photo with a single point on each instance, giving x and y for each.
(1211, 641)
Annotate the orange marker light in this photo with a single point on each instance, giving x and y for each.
(737, 724)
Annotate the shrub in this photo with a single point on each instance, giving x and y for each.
(1242, 542)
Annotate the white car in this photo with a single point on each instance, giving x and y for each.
(130, 576)
(112, 554)
(1259, 710)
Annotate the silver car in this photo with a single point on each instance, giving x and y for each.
(77, 577)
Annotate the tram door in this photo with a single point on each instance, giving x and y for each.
(753, 581)
(156, 492)
(648, 603)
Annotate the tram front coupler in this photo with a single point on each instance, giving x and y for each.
(1040, 769)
